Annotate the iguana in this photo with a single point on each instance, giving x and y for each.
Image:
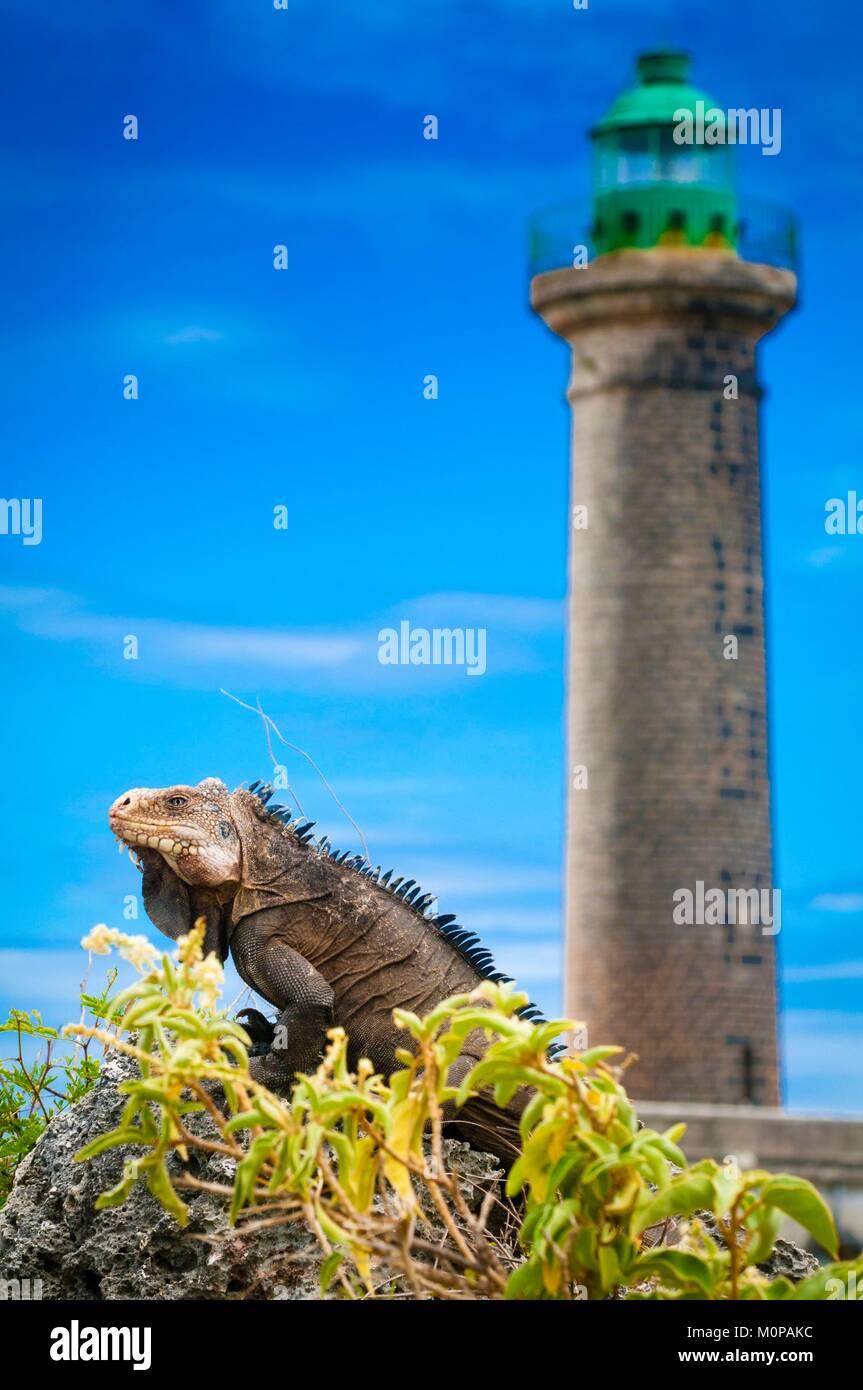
(320, 934)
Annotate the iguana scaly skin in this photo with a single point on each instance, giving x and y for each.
(321, 935)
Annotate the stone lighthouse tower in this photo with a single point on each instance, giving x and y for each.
(671, 908)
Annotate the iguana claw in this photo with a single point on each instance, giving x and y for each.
(260, 1029)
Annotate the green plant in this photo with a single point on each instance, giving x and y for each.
(360, 1158)
(31, 1093)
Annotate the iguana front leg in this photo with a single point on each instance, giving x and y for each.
(303, 997)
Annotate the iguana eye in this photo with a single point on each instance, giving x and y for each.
(177, 800)
(226, 830)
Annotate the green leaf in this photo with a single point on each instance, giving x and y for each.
(563, 1169)
(246, 1119)
(330, 1268)
(769, 1221)
(779, 1289)
(115, 1196)
(504, 1091)
(831, 1283)
(525, 1283)
(160, 1185)
(247, 1172)
(280, 1171)
(108, 1141)
(683, 1196)
(805, 1205)
(516, 1178)
(596, 1054)
(609, 1268)
(678, 1268)
(669, 1150)
(584, 1248)
(532, 1113)
(599, 1166)
(331, 1230)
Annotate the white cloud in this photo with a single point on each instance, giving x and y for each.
(60, 617)
(194, 334)
(453, 189)
(394, 787)
(347, 657)
(505, 920)
(452, 880)
(387, 49)
(426, 58)
(51, 980)
(825, 556)
(528, 963)
(393, 840)
(824, 1060)
(811, 974)
(837, 902)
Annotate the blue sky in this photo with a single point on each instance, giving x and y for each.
(406, 257)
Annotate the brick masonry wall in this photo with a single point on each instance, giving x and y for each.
(673, 736)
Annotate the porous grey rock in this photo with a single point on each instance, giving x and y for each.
(785, 1259)
(50, 1231)
(788, 1260)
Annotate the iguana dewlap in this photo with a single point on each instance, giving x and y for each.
(319, 934)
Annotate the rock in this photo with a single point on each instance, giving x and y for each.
(786, 1259)
(477, 1173)
(789, 1260)
(50, 1231)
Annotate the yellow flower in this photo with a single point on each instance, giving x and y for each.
(190, 948)
(210, 978)
(136, 949)
(98, 940)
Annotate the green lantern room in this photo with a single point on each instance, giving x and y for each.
(649, 189)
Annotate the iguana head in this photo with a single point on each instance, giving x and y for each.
(208, 852)
(187, 845)
(192, 828)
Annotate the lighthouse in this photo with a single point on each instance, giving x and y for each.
(663, 290)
